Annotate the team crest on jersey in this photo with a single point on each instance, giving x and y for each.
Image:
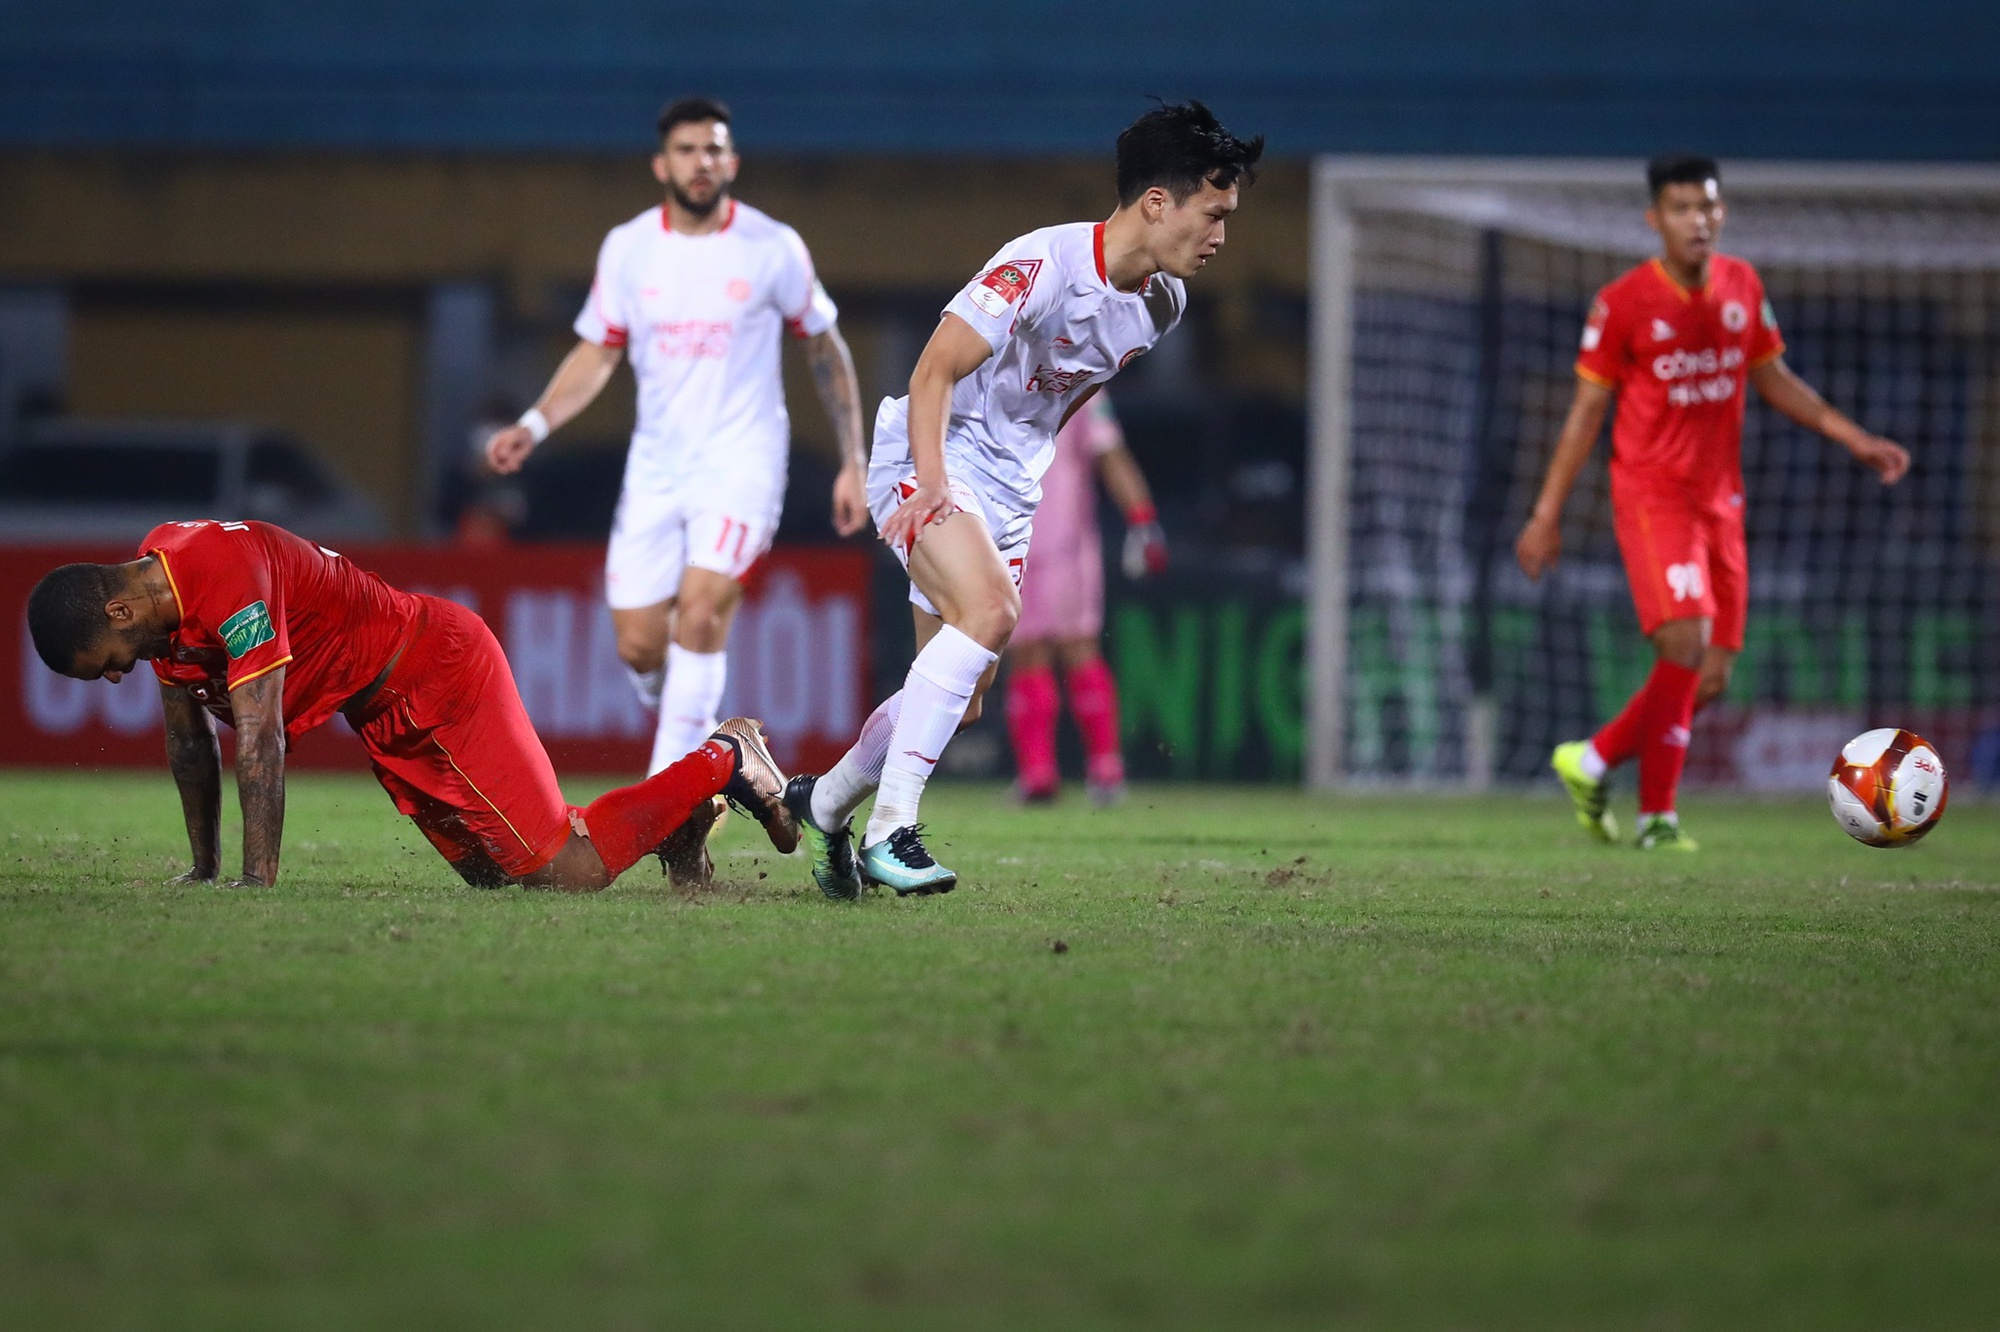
(1734, 317)
(738, 289)
(1662, 331)
(247, 629)
(1005, 285)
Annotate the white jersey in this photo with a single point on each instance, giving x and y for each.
(701, 316)
(1056, 326)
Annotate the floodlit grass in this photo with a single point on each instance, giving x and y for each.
(1369, 1062)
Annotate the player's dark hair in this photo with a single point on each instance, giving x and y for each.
(690, 111)
(1679, 169)
(66, 613)
(1177, 147)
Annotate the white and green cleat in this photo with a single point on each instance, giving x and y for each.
(1590, 795)
(1662, 832)
(900, 861)
(833, 867)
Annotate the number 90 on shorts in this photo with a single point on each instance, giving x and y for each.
(1686, 563)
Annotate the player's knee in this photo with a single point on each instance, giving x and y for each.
(1681, 642)
(643, 653)
(577, 868)
(480, 871)
(702, 629)
(991, 617)
(704, 611)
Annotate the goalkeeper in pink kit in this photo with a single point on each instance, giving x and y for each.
(1062, 606)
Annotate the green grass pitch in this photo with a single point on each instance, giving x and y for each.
(1379, 1061)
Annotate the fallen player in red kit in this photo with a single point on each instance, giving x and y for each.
(246, 623)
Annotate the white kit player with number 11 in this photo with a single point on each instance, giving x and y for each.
(957, 466)
(698, 293)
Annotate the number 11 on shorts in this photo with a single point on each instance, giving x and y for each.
(742, 531)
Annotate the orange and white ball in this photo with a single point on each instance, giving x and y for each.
(1888, 787)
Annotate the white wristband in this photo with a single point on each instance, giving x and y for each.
(536, 423)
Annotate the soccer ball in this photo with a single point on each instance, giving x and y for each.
(1888, 787)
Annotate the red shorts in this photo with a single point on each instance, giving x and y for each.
(1685, 561)
(453, 747)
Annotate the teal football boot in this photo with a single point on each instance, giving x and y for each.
(900, 861)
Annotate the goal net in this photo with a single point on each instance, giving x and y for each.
(1448, 302)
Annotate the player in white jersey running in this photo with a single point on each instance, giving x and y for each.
(957, 465)
(698, 292)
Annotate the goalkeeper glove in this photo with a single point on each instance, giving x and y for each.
(1145, 544)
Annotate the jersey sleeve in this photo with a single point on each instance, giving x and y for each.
(808, 309)
(1601, 356)
(1016, 287)
(1766, 343)
(603, 319)
(225, 581)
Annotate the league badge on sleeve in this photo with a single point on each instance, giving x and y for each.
(1593, 330)
(249, 628)
(1005, 285)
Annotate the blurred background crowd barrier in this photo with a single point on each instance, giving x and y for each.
(293, 261)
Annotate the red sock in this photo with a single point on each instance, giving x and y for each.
(1661, 702)
(1031, 724)
(628, 823)
(1663, 756)
(1093, 701)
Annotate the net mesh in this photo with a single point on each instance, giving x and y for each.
(1869, 605)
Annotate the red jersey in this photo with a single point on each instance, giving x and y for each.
(253, 597)
(1679, 361)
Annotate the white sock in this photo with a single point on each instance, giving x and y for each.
(852, 780)
(688, 704)
(647, 685)
(936, 693)
(1592, 762)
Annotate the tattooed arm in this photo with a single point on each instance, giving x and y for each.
(260, 773)
(840, 393)
(196, 761)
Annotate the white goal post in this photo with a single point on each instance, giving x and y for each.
(1446, 299)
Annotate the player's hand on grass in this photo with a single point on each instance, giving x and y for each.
(508, 448)
(1539, 546)
(927, 505)
(850, 500)
(1885, 457)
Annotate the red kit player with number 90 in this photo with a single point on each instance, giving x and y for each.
(1675, 341)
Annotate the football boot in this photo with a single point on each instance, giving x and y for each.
(833, 867)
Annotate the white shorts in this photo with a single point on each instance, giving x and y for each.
(657, 536)
(1010, 533)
